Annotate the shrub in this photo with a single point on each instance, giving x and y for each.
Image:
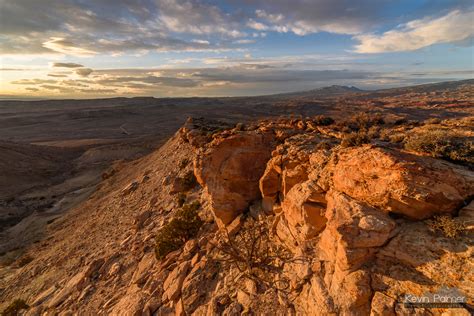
(183, 164)
(397, 138)
(324, 145)
(442, 144)
(373, 132)
(447, 226)
(433, 120)
(184, 226)
(15, 307)
(181, 199)
(239, 126)
(24, 260)
(400, 121)
(355, 139)
(364, 121)
(254, 254)
(323, 120)
(189, 181)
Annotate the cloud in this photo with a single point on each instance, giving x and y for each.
(87, 28)
(66, 65)
(57, 75)
(83, 72)
(303, 17)
(195, 17)
(456, 26)
(245, 41)
(65, 46)
(33, 81)
(148, 81)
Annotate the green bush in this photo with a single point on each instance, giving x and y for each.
(442, 144)
(14, 308)
(184, 226)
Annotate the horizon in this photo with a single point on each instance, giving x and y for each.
(192, 48)
(6, 98)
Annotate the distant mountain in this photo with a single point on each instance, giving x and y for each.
(334, 89)
(323, 91)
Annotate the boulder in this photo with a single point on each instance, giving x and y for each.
(131, 304)
(304, 207)
(399, 182)
(174, 281)
(229, 170)
(143, 268)
(353, 230)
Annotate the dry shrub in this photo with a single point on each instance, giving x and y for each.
(183, 163)
(181, 199)
(184, 226)
(362, 121)
(321, 120)
(24, 260)
(443, 144)
(433, 120)
(447, 226)
(189, 181)
(15, 308)
(397, 138)
(355, 139)
(254, 254)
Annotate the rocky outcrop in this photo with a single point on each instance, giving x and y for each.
(349, 221)
(229, 169)
(340, 205)
(417, 187)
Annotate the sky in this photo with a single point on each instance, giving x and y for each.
(171, 48)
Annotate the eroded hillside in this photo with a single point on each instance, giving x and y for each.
(306, 216)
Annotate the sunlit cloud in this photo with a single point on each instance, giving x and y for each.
(454, 27)
(62, 45)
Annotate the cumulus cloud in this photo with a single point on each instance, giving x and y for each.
(456, 26)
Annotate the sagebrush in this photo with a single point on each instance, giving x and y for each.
(448, 226)
(184, 226)
(442, 144)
